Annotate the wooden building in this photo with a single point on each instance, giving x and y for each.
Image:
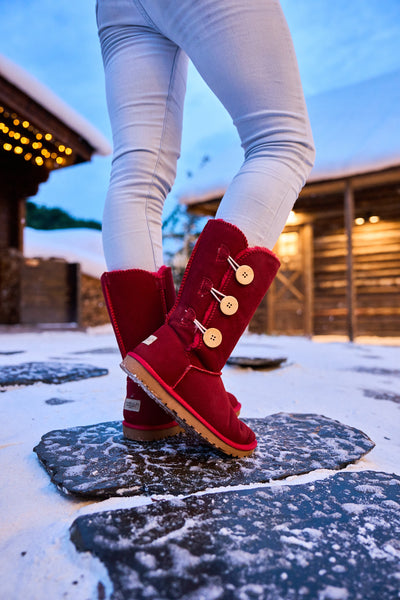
(38, 134)
(340, 249)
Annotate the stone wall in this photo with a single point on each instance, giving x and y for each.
(93, 308)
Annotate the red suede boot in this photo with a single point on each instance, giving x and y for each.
(138, 302)
(179, 364)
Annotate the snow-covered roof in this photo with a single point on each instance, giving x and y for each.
(74, 245)
(356, 131)
(57, 107)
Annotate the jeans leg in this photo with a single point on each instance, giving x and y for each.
(244, 52)
(145, 76)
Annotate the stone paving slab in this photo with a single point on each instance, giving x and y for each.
(335, 539)
(47, 372)
(256, 362)
(96, 461)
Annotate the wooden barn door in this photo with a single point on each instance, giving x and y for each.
(288, 306)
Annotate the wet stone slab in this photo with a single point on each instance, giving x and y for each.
(377, 371)
(382, 395)
(58, 401)
(335, 539)
(98, 462)
(256, 362)
(47, 372)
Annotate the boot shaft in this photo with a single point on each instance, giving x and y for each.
(223, 284)
(137, 303)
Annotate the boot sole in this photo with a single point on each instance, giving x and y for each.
(150, 435)
(136, 371)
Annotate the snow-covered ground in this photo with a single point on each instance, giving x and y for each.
(336, 379)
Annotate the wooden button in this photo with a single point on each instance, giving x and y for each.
(212, 337)
(244, 274)
(229, 305)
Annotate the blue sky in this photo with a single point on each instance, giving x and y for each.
(337, 43)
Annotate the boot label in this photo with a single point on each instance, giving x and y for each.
(150, 340)
(132, 405)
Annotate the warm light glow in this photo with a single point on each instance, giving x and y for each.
(39, 136)
(59, 160)
(53, 155)
(39, 160)
(61, 148)
(45, 153)
(7, 147)
(292, 218)
(5, 129)
(359, 221)
(16, 122)
(374, 219)
(18, 150)
(25, 124)
(28, 156)
(17, 135)
(36, 145)
(24, 140)
(68, 151)
(11, 133)
(288, 244)
(1, 109)
(48, 137)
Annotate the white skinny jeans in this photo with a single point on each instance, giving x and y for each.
(243, 50)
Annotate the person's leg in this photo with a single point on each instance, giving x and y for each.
(145, 76)
(145, 82)
(244, 52)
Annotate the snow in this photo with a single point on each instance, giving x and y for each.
(38, 560)
(57, 107)
(74, 245)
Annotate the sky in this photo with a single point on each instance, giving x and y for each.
(337, 43)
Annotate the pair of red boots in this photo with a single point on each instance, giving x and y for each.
(187, 340)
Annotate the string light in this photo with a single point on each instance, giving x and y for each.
(43, 142)
(359, 221)
(374, 219)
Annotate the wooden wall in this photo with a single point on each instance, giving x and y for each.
(376, 254)
(377, 278)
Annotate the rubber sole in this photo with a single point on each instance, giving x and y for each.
(150, 435)
(136, 371)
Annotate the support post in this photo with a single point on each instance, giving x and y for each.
(350, 280)
(308, 269)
